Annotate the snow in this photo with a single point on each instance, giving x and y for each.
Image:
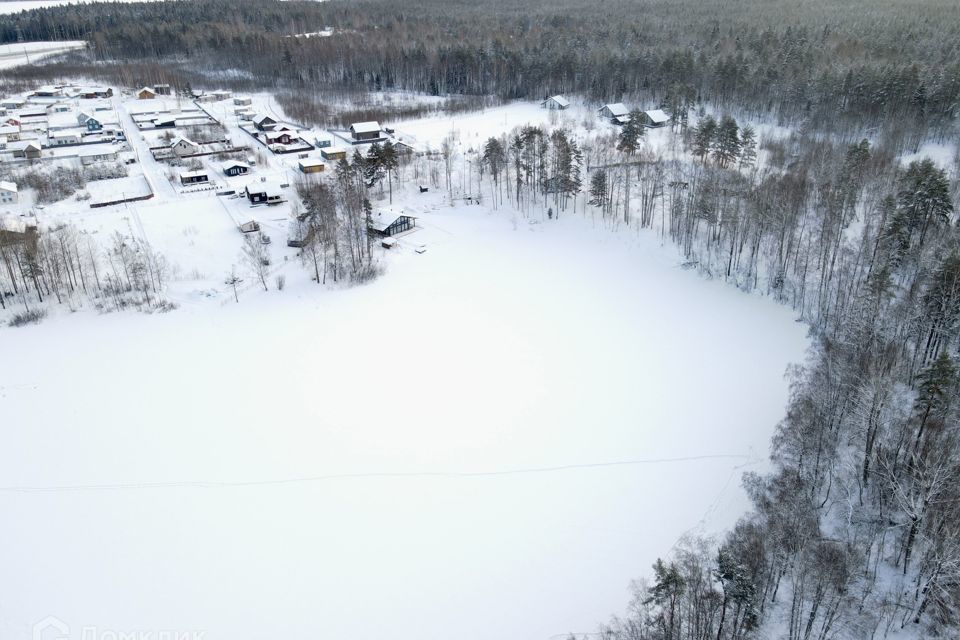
(21, 53)
(494, 437)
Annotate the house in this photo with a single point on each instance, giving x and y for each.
(233, 168)
(13, 103)
(361, 131)
(97, 156)
(333, 153)
(48, 91)
(242, 102)
(616, 112)
(388, 223)
(194, 177)
(146, 93)
(29, 149)
(19, 234)
(280, 137)
(161, 89)
(89, 93)
(263, 193)
(10, 132)
(92, 123)
(264, 122)
(311, 165)
(555, 103)
(323, 141)
(222, 95)
(245, 114)
(655, 118)
(184, 146)
(59, 107)
(164, 122)
(8, 192)
(63, 137)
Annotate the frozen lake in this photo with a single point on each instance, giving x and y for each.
(490, 441)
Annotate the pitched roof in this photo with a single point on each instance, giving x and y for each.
(560, 100)
(657, 116)
(617, 109)
(230, 164)
(8, 186)
(365, 127)
(184, 139)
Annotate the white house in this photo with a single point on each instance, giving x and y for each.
(555, 103)
(8, 192)
(616, 112)
(184, 146)
(360, 131)
(655, 118)
(62, 137)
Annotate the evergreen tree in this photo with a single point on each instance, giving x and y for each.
(726, 143)
(748, 147)
(631, 133)
(703, 137)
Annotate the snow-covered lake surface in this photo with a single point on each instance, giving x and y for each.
(490, 441)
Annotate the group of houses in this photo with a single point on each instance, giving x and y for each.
(58, 116)
(616, 112)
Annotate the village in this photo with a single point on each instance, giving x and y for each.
(183, 172)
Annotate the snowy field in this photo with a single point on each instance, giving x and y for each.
(15, 55)
(489, 441)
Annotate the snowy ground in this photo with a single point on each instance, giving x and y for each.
(427, 456)
(15, 55)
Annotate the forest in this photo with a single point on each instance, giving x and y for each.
(856, 531)
(827, 63)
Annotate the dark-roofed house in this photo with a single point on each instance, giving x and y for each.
(233, 168)
(264, 193)
(555, 103)
(388, 223)
(365, 130)
(264, 122)
(194, 177)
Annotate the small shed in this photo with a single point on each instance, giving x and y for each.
(222, 95)
(161, 89)
(333, 153)
(361, 131)
(250, 226)
(555, 103)
(233, 168)
(97, 156)
(194, 177)
(242, 101)
(26, 149)
(311, 165)
(388, 223)
(146, 93)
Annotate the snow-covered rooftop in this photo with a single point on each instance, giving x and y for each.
(365, 127)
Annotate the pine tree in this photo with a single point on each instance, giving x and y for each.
(726, 143)
(748, 147)
(924, 197)
(703, 137)
(631, 133)
(598, 189)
